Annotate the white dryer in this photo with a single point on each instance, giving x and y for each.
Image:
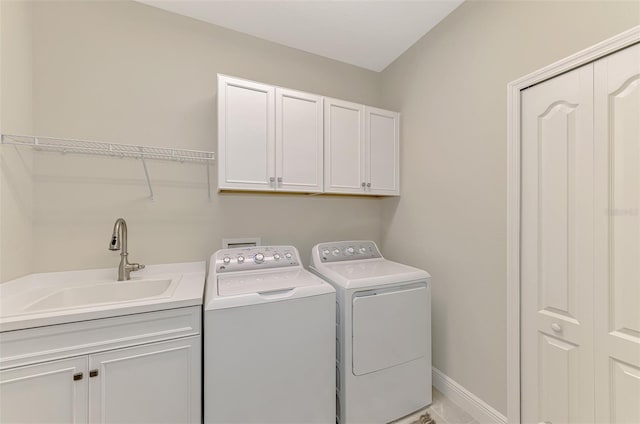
(383, 324)
(269, 339)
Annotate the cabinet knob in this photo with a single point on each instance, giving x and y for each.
(272, 180)
(279, 180)
(556, 327)
(77, 376)
(363, 185)
(369, 185)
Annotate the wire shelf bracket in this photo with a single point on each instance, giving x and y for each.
(99, 148)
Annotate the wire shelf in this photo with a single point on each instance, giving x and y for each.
(108, 149)
(99, 148)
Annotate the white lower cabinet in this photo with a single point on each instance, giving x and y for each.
(158, 382)
(51, 392)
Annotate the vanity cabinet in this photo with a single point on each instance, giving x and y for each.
(269, 138)
(143, 368)
(362, 149)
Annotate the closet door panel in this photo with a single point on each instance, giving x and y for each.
(617, 290)
(557, 242)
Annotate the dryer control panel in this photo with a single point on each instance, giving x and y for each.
(346, 251)
(254, 258)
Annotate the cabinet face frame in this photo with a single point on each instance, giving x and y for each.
(514, 88)
(262, 183)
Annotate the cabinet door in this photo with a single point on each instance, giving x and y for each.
(299, 141)
(617, 205)
(382, 152)
(50, 392)
(557, 276)
(344, 147)
(153, 383)
(246, 145)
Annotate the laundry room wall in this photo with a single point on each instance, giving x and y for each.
(16, 114)
(451, 217)
(124, 72)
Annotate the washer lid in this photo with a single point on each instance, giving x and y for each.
(370, 272)
(264, 282)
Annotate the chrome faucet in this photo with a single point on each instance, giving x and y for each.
(125, 268)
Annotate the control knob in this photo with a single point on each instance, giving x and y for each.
(336, 252)
(240, 259)
(258, 258)
(226, 260)
(326, 252)
(287, 255)
(363, 250)
(276, 256)
(349, 251)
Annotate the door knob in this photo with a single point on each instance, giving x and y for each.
(556, 327)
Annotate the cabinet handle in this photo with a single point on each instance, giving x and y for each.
(279, 180)
(368, 185)
(556, 327)
(77, 376)
(364, 184)
(272, 180)
(93, 373)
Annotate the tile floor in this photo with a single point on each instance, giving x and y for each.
(442, 410)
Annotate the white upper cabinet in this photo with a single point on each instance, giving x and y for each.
(299, 140)
(268, 138)
(246, 138)
(362, 153)
(382, 162)
(277, 139)
(344, 147)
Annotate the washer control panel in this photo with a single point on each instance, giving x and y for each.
(347, 251)
(252, 258)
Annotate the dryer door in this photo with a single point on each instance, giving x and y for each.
(390, 327)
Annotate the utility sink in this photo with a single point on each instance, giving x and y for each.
(62, 297)
(95, 294)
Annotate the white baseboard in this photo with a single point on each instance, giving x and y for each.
(471, 403)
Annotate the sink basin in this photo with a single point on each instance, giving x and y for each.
(117, 291)
(43, 299)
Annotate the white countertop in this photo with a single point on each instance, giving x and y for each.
(16, 296)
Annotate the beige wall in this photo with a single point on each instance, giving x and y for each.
(451, 218)
(129, 73)
(16, 185)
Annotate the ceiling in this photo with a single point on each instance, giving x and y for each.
(366, 33)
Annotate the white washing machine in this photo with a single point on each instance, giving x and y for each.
(383, 325)
(269, 339)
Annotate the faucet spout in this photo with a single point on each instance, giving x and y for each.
(119, 242)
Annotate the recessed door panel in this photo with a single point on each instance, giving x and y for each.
(557, 246)
(617, 309)
(245, 135)
(389, 327)
(344, 147)
(382, 135)
(299, 141)
(51, 392)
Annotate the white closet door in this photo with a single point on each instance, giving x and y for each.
(299, 141)
(557, 250)
(246, 137)
(617, 306)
